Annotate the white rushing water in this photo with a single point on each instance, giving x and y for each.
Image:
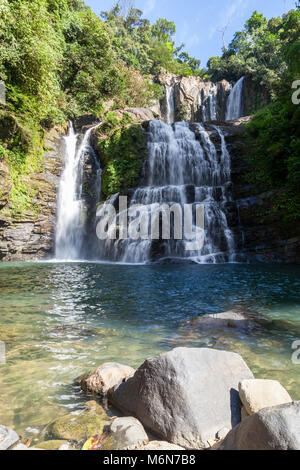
(69, 228)
(186, 169)
(235, 101)
(170, 100)
(208, 98)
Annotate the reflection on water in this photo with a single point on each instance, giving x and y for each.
(61, 320)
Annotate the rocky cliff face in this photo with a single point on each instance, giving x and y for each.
(261, 236)
(254, 97)
(31, 235)
(196, 100)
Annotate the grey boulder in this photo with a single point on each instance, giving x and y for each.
(230, 319)
(259, 393)
(275, 428)
(104, 377)
(128, 433)
(185, 396)
(8, 437)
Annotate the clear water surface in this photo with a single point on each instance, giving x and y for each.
(59, 320)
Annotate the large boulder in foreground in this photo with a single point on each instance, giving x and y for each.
(105, 377)
(257, 394)
(185, 396)
(8, 437)
(275, 428)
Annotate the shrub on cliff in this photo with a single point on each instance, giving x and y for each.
(122, 152)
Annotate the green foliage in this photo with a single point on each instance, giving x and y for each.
(182, 113)
(122, 154)
(263, 50)
(269, 52)
(59, 60)
(273, 143)
(145, 47)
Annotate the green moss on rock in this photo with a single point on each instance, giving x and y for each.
(122, 154)
(78, 427)
(51, 445)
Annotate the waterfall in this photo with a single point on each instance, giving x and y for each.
(213, 102)
(70, 217)
(208, 103)
(184, 166)
(235, 101)
(170, 99)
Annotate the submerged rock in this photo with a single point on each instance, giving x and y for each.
(8, 437)
(77, 427)
(51, 445)
(257, 394)
(275, 428)
(185, 396)
(105, 377)
(229, 319)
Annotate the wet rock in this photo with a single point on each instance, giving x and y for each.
(51, 445)
(105, 377)
(127, 434)
(77, 427)
(257, 394)
(84, 121)
(8, 437)
(185, 396)
(275, 428)
(229, 319)
(189, 92)
(30, 235)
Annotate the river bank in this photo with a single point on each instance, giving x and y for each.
(187, 398)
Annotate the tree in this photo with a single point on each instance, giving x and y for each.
(125, 7)
(163, 30)
(185, 58)
(256, 21)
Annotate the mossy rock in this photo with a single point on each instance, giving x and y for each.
(78, 427)
(50, 445)
(122, 155)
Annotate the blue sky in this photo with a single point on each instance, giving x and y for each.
(198, 22)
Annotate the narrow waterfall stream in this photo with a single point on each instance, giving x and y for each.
(207, 103)
(235, 101)
(170, 99)
(184, 166)
(70, 218)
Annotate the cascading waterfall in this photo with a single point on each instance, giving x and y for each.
(208, 103)
(185, 167)
(235, 101)
(70, 219)
(170, 100)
